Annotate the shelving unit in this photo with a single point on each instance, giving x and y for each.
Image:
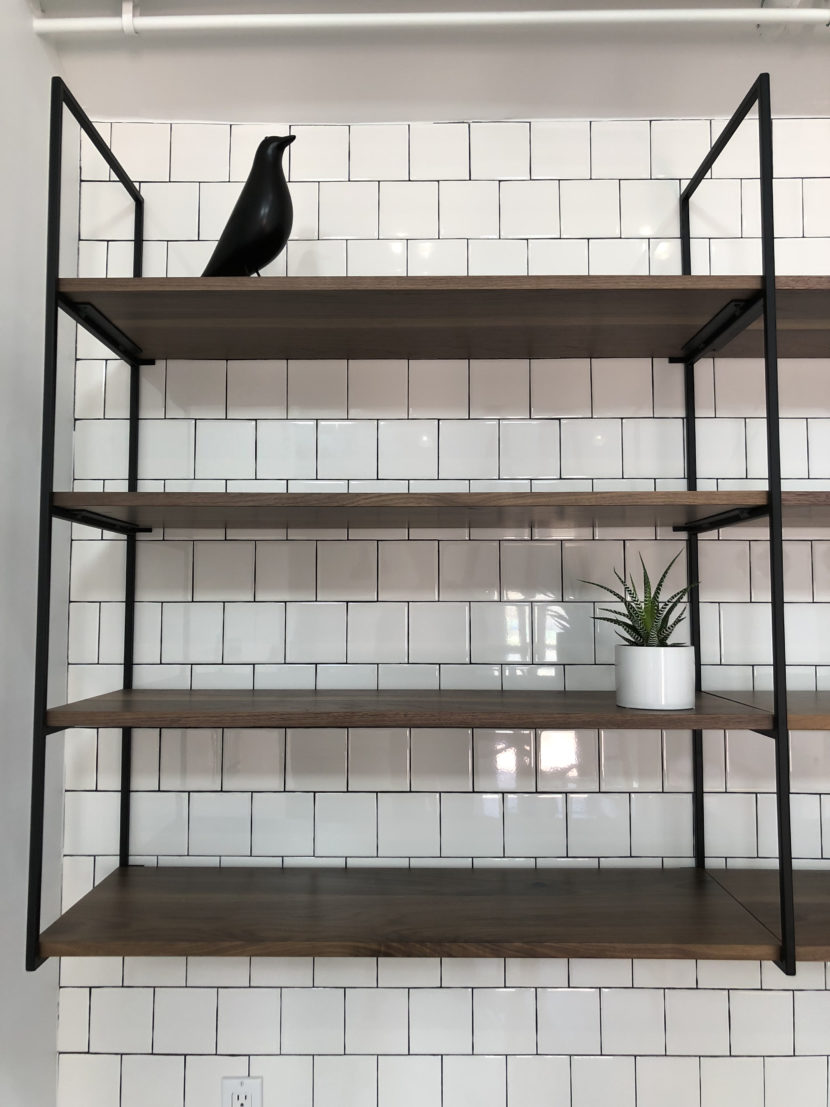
(602, 912)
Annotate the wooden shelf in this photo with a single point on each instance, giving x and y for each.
(805, 710)
(445, 317)
(682, 913)
(504, 510)
(379, 509)
(213, 707)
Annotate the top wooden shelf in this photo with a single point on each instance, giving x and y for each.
(497, 510)
(445, 317)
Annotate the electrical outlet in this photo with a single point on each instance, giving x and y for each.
(241, 1091)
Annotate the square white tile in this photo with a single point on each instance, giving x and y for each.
(184, 1021)
(315, 759)
(598, 825)
(407, 449)
(504, 1020)
(441, 760)
(633, 1020)
(472, 825)
(440, 1021)
(439, 151)
(409, 825)
(468, 209)
(568, 1020)
(345, 824)
(378, 151)
(481, 1080)
(439, 632)
(620, 148)
(377, 1020)
(560, 149)
(313, 1020)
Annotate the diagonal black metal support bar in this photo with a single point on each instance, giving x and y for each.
(90, 318)
(722, 519)
(100, 522)
(733, 318)
(719, 145)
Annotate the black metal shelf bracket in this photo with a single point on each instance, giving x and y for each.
(729, 322)
(722, 519)
(99, 326)
(100, 522)
(62, 99)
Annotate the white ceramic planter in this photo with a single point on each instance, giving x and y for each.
(655, 677)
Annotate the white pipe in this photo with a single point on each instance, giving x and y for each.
(333, 21)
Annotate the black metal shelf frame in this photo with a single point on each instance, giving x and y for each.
(62, 99)
(709, 340)
(716, 334)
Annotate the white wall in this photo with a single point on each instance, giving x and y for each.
(27, 1003)
(365, 77)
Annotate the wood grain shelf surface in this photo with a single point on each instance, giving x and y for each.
(213, 707)
(410, 912)
(805, 710)
(757, 890)
(445, 317)
(685, 913)
(194, 510)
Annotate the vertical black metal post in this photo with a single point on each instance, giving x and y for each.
(44, 559)
(129, 628)
(693, 576)
(779, 672)
(692, 560)
(129, 571)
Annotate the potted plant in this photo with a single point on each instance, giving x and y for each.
(651, 672)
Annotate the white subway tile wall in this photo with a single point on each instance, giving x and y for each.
(446, 608)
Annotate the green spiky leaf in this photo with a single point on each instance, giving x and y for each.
(645, 620)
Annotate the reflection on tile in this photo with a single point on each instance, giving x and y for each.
(469, 570)
(501, 632)
(630, 760)
(568, 760)
(530, 570)
(563, 632)
(504, 760)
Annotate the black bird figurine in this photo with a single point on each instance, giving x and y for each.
(260, 223)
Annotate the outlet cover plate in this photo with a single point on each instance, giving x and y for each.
(241, 1091)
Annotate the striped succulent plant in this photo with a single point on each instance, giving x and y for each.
(645, 620)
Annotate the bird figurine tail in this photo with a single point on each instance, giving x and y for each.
(260, 223)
